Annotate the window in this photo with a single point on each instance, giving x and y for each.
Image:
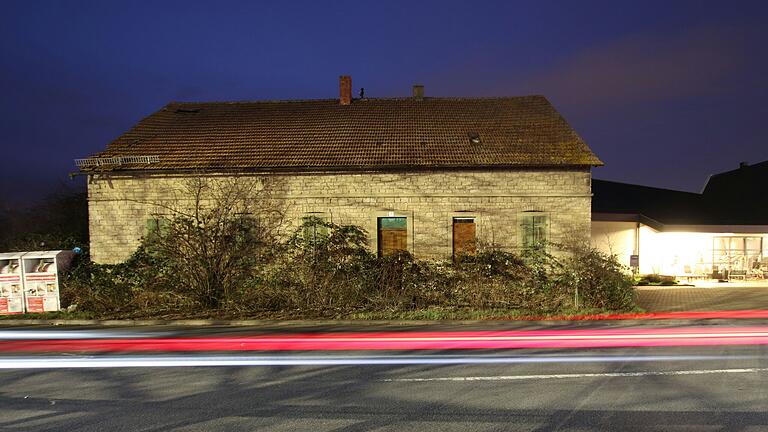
(314, 228)
(534, 229)
(157, 225)
(464, 237)
(248, 227)
(392, 235)
(737, 253)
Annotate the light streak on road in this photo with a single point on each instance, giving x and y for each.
(107, 361)
(449, 340)
(581, 375)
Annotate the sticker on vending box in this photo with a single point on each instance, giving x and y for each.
(35, 304)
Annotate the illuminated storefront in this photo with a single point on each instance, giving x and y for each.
(685, 251)
(720, 233)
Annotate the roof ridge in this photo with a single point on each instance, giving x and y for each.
(403, 98)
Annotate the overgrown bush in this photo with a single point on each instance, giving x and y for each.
(213, 245)
(597, 280)
(143, 285)
(327, 270)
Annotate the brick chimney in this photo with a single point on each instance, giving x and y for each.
(418, 91)
(345, 90)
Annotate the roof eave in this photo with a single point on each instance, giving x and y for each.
(337, 169)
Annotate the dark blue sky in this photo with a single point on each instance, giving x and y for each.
(664, 92)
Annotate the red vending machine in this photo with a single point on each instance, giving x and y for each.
(11, 288)
(41, 279)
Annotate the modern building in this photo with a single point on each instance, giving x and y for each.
(434, 176)
(721, 233)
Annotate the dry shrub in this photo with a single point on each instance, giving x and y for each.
(332, 273)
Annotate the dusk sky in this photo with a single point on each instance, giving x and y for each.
(665, 93)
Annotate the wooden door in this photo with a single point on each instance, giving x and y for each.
(392, 235)
(464, 237)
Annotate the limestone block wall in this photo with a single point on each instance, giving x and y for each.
(120, 204)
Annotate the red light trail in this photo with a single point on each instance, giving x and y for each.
(519, 339)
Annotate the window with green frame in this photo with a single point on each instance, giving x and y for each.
(157, 225)
(534, 229)
(315, 232)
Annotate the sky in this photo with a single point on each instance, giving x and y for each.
(664, 92)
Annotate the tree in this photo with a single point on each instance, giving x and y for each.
(215, 232)
(58, 221)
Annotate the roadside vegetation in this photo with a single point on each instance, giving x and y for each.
(333, 274)
(226, 256)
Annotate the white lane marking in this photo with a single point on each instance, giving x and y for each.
(584, 375)
(64, 362)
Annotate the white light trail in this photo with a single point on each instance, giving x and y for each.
(582, 375)
(64, 362)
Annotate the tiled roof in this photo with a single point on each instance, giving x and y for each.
(403, 133)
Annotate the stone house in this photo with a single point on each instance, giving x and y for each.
(434, 176)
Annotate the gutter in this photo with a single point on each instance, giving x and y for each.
(333, 170)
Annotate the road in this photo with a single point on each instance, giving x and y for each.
(692, 388)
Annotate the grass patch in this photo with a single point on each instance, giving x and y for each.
(439, 314)
(60, 315)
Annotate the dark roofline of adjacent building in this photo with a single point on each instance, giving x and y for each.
(672, 208)
(743, 167)
(662, 227)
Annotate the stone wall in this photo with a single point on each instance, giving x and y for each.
(120, 204)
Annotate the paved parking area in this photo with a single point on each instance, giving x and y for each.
(655, 299)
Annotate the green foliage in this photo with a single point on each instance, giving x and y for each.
(314, 274)
(655, 280)
(493, 263)
(209, 257)
(143, 285)
(336, 275)
(598, 280)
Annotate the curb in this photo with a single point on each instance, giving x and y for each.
(546, 321)
(242, 323)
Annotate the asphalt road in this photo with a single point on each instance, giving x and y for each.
(656, 389)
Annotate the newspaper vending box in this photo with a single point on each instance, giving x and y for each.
(11, 289)
(41, 279)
